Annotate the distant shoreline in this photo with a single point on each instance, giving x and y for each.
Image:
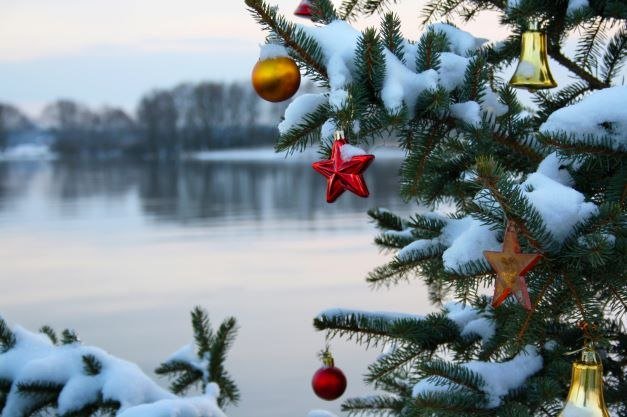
(38, 152)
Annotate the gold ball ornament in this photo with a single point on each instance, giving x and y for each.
(276, 79)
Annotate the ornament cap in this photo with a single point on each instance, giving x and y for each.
(327, 358)
(534, 25)
(338, 135)
(589, 356)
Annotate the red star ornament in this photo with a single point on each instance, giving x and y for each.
(511, 265)
(304, 9)
(343, 174)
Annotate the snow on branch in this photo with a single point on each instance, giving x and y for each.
(597, 117)
(499, 378)
(464, 241)
(44, 372)
(34, 359)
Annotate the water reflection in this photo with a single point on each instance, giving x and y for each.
(121, 251)
(196, 191)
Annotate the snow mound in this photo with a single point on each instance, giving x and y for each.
(460, 42)
(468, 112)
(200, 406)
(561, 207)
(320, 413)
(603, 113)
(271, 50)
(471, 321)
(34, 358)
(452, 70)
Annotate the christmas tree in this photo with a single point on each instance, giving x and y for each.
(509, 188)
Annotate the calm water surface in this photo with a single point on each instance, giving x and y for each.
(121, 252)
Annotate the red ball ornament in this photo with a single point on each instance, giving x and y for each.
(329, 382)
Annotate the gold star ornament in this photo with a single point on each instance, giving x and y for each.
(510, 266)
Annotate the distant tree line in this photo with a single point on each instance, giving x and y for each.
(167, 122)
(12, 121)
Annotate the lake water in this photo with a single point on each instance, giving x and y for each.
(122, 251)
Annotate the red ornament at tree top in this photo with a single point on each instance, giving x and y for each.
(329, 382)
(344, 173)
(304, 9)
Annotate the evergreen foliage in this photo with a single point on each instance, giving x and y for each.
(40, 397)
(477, 168)
(208, 365)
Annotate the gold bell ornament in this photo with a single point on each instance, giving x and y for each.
(533, 70)
(585, 398)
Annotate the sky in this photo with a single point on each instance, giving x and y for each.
(110, 52)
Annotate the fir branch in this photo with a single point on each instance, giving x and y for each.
(475, 78)
(392, 241)
(99, 408)
(185, 381)
(378, 405)
(370, 7)
(593, 82)
(49, 331)
(370, 63)
(222, 342)
(348, 9)
(306, 132)
(589, 48)
(42, 395)
(305, 47)
(323, 11)
(7, 337)
(402, 357)
(550, 102)
(399, 270)
(615, 55)
(534, 308)
(449, 403)
(69, 337)
(391, 34)
(435, 9)
(438, 369)
(431, 45)
(229, 393)
(373, 329)
(571, 144)
(175, 366)
(203, 335)
(412, 169)
(91, 365)
(386, 220)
